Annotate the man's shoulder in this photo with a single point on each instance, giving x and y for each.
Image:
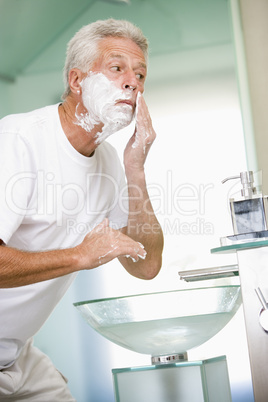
(19, 122)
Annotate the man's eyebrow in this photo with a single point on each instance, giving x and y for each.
(116, 56)
(143, 65)
(120, 56)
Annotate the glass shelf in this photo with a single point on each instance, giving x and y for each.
(239, 246)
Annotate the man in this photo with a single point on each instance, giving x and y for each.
(58, 175)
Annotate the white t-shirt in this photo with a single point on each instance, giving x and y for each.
(50, 197)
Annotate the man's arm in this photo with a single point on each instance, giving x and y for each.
(143, 225)
(101, 245)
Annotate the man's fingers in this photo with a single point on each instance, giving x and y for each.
(138, 252)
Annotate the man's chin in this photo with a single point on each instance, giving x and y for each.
(121, 124)
(124, 108)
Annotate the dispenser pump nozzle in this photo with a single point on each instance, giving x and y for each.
(247, 180)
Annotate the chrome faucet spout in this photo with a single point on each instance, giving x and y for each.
(209, 273)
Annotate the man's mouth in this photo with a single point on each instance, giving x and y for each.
(125, 102)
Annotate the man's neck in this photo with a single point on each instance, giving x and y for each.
(84, 142)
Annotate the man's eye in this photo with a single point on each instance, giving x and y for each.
(140, 76)
(115, 68)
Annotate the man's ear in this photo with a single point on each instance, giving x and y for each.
(75, 78)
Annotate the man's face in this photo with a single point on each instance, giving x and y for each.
(122, 62)
(110, 89)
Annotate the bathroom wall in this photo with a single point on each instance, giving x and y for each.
(4, 98)
(254, 32)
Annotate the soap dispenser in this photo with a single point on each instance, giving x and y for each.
(249, 212)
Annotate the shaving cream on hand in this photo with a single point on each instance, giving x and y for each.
(137, 135)
(138, 255)
(141, 134)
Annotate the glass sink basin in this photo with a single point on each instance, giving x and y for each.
(164, 323)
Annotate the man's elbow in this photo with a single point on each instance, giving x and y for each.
(154, 263)
(152, 269)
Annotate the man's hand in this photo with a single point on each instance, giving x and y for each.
(139, 144)
(103, 244)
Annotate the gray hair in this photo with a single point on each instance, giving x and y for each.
(82, 50)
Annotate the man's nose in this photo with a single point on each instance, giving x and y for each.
(130, 81)
(131, 87)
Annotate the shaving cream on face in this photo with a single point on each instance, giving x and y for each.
(99, 96)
